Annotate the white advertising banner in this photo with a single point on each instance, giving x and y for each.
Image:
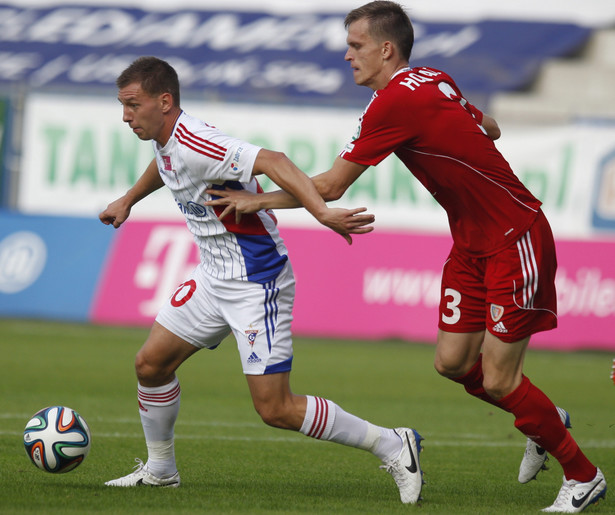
(78, 155)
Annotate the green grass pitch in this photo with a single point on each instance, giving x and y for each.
(230, 462)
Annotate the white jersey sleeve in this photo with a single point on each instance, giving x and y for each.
(215, 156)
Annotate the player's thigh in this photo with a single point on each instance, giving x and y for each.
(260, 317)
(160, 355)
(456, 353)
(463, 295)
(193, 314)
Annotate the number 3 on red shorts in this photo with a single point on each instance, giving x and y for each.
(455, 297)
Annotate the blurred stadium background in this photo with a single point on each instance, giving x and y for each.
(273, 72)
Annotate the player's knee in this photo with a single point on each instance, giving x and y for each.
(148, 373)
(497, 388)
(448, 369)
(275, 415)
(270, 416)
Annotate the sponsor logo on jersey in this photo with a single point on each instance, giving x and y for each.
(168, 167)
(496, 312)
(235, 162)
(349, 147)
(192, 208)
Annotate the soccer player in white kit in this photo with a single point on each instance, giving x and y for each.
(244, 284)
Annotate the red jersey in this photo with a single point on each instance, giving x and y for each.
(422, 117)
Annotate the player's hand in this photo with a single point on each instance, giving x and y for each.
(348, 221)
(116, 213)
(240, 201)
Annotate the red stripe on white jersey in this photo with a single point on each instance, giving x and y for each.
(200, 145)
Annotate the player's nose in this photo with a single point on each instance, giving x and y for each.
(126, 116)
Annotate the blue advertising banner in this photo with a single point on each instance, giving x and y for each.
(4, 152)
(49, 266)
(257, 56)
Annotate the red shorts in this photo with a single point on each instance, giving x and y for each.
(511, 294)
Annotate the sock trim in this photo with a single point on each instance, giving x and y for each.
(159, 395)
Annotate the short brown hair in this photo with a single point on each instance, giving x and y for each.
(387, 21)
(155, 76)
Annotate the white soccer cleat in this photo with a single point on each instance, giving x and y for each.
(574, 496)
(406, 469)
(534, 460)
(535, 457)
(140, 476)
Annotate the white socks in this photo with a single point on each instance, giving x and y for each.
(325, 420)
(158, 407)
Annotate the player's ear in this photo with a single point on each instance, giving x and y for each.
(166, 102)
(387, 50)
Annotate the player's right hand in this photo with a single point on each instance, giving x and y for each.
(346, 222)
(240, 201)
(116, 213)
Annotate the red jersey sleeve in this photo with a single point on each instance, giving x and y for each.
(379, 133)
(423, 118)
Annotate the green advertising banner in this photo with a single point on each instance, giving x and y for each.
(78, 155)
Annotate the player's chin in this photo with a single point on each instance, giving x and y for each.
(141, 134)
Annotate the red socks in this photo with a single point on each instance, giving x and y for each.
(537, 418)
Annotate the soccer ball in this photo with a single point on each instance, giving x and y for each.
(57, 439)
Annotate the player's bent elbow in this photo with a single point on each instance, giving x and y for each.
(331, 195)
(491, 127)
(269, 160)
(495, 133)
(330, 191)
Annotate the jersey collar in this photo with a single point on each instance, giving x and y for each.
(402, 70)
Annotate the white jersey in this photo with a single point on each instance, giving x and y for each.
(198, 157)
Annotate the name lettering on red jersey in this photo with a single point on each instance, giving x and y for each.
(414, 80)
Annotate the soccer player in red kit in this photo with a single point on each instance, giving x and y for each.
(498, 281)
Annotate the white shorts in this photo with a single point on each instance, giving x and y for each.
(204, 310)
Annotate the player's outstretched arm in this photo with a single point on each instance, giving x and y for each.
(118, 211)
(287, 176)
(331, 185)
